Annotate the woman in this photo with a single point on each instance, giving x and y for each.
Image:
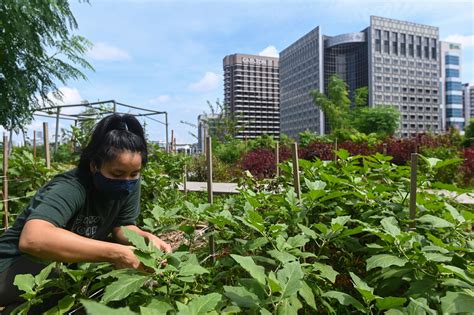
(70, 217)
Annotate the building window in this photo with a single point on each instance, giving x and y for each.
(454, 99)
(453, 86)
(452, 73)
(386, 47)
(410, 45)
(453, 112)
(403, 44)
(377, 41)
(418, 46)
(451, 60)
(433, 48)
(395, 43)
(426, 47)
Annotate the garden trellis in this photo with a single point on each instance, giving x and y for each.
(59, 113)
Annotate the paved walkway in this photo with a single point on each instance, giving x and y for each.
(231, 188)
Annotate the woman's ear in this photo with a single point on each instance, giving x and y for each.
(93, 167)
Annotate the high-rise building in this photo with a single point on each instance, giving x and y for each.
(252, 94)
(451, 86)
(397, 60)
(468, 101)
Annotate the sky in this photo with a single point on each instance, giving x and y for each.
(167, 55)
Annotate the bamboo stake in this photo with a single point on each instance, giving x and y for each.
(414, 166)
(277, 159)
(5, 181)
(210, 197)
(47, 154)
(34, 144)
(296, 173)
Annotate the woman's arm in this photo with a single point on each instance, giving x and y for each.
(119, 237)
(42, 239)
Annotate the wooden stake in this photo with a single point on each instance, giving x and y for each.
(34, 144)
(277, 159)
(335, 150)
(5, 181)
(171, 144)
(414, 166)
(384, 149)
(47, 154)
(210, 199)
(296, 173)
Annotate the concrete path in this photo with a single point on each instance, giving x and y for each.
(231, 188)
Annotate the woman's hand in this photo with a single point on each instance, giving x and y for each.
(160, 244)
(126, 258)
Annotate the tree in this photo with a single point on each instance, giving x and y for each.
(37, 50)
(382, 120)
(469, 133)
(361, 97)
(335, 105)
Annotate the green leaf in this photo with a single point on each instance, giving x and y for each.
(361, 286)
(308, 295)
(290, 279)
(345, 299)
(64, 305)
(273, 282)
(306, 230)
(436, 222)
(156, 306)
(454, 213)
(136, 240)
(316, 185)
(242, 297)
(419, 306)
(203, 304)
(25, 283)
(340, 220)
(95, 308)
(44, 274)
(190, 269)
(123, 287)
(283, 257)
(457, 283)
(297, 241)
(437, 257)
(257, 272)
(390, 302)
(326, 271)
(390, 226)
(457, 302)
(384, 261)
(457, 271)
(255, 220)
(286, 308)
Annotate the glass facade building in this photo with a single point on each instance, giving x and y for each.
(468, 101)
(451, 86)
(397, 60)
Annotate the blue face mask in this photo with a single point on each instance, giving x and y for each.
(116, 188)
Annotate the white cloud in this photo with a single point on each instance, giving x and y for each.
(209, 82)
(160, 100)
(464, 40)
(105, 52)
(270, 51)
(70, 96)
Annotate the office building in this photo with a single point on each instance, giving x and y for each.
(252, 94)
(451, 86)
(468, 101)
(397, 60)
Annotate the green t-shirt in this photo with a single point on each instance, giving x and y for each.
(70, 201)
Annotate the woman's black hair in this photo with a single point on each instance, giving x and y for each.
(112, 135)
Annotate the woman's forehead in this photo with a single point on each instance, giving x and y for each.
(126, 160)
